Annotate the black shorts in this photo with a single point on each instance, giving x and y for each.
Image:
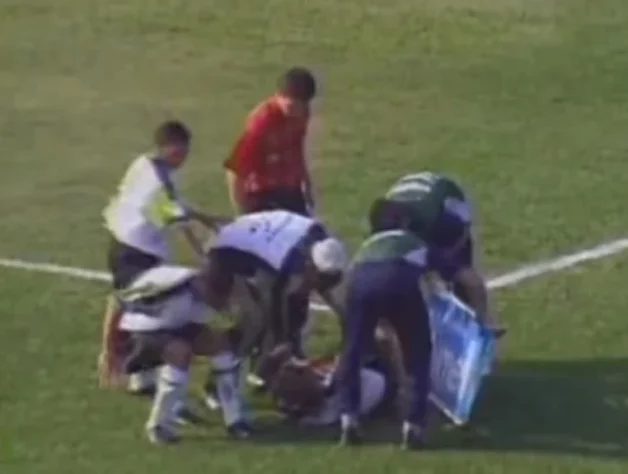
(291, 200)
(126, 263)
(144, 349)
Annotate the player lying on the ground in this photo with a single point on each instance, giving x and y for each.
(441, 217)
(263, 261)
(304, 389)
(146, 205)
(382, 285)
(163, 325)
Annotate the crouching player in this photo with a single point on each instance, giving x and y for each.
(163, 321)
(440, 215)
(383, 285)
(263, 260)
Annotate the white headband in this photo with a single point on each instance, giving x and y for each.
(329, 255)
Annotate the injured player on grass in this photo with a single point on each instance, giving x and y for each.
(304, 389)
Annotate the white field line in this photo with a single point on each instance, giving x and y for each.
(511, 278)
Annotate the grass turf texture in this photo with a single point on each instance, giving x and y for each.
(525, 100)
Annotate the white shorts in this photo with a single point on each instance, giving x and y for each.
(173, 311)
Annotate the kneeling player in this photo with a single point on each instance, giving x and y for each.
(164, 314)
(265, 259)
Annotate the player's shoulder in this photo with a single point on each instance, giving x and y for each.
(142, 171)
(399, 235)
(393, 242)
(141, 162)
(425, 183)
(266, 111)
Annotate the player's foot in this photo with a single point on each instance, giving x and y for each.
(145, 391)
(412, 437)
(240, 430)
(186, 416)
(350, 436)
(256, 383)
(211, 398)
(349, 431)
(161, 435)
(143, 383)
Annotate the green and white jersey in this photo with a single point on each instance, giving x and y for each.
(145, 204)
(392, 245)
(430, 197)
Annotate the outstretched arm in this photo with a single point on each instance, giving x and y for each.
(332, 297)
(213, 222)
(471, 288)
(193, 241)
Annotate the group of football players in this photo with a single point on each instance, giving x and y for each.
(258, 268)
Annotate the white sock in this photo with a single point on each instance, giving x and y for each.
(171, 391)
(408, 427)
(228, 387)
(348, 421)
(142, 380)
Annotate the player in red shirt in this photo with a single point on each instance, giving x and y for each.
(267, 168)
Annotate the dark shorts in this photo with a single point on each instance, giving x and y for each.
(126, 263)
(144, 349)
(291, 200)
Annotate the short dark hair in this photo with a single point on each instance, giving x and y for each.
(386, 215)
(172, 132)
(298, 83)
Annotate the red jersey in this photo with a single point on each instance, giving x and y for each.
(270, 152)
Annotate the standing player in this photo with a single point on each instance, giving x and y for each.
(383, 286)
(441, 216)
(147, 203)
(267, 168)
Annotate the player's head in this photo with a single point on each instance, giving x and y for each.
(298, 86)
(449, 233)
(388, 215)
(172, 139)
(328, 260)
(291, 380)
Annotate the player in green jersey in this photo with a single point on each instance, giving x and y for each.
(441, 216)
(383, 285)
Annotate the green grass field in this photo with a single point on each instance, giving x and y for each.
(525, 100)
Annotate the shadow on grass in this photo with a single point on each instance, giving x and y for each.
(554, 407)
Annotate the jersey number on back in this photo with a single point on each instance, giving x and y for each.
(267, 229)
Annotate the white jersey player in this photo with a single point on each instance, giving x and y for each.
(163, 324)
(263, 260)
(146, 204)
(275, 254)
